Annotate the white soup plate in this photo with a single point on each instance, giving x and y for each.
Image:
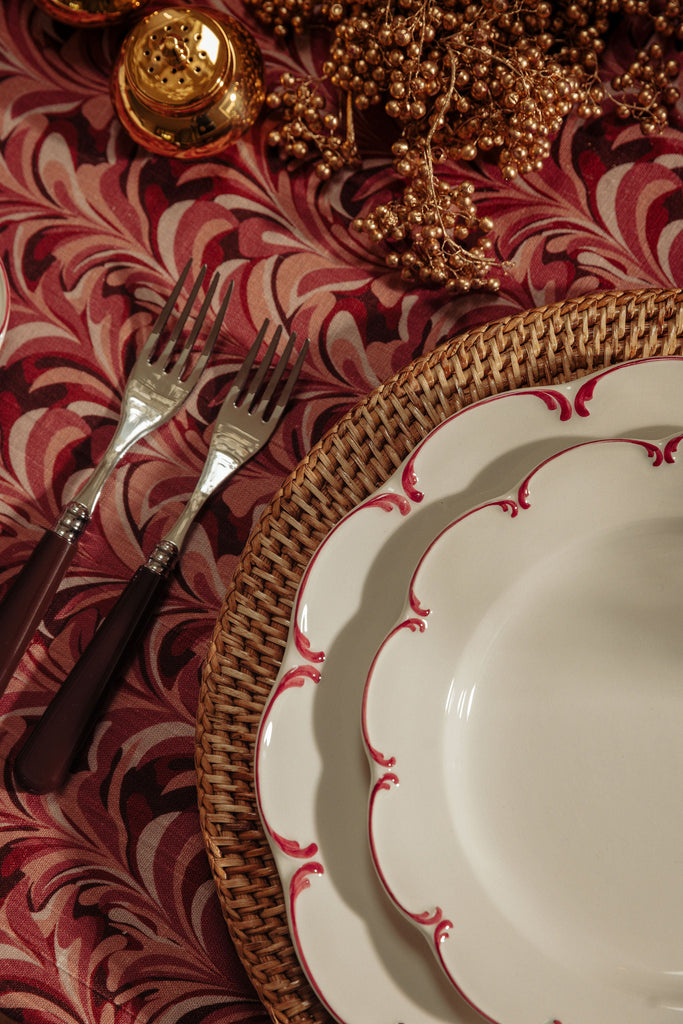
(522, 721)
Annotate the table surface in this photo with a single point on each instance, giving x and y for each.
(108, 912)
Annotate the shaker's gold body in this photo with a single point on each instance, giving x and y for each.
(188, 82)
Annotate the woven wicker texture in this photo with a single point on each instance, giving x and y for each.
(545, 346)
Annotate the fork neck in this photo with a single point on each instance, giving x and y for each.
(137, 419)
(175, 537)
(89, 494)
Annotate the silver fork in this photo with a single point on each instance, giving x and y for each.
(155, 391)
(247, 418)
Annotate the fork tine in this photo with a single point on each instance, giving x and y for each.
(255, 385)
(291, 381)
(277, 374)
(240, 380)
(181, 361)
(170, 345)
(160, 323)
(210, 341)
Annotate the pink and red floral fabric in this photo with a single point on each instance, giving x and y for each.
(108, 913)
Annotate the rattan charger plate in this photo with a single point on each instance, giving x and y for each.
(548, 345)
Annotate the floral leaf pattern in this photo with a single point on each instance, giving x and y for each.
(108, 913)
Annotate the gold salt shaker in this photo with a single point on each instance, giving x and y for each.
(188, 82)
(91, 13)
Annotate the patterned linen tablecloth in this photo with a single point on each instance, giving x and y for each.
(108, 912)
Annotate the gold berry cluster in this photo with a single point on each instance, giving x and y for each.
(462, 80)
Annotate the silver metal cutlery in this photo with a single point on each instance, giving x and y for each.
(155, 391)
(247, 418)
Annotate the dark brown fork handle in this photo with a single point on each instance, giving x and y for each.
(43, 763)
(29, 597)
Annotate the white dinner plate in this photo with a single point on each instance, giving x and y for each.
(366, 962)
(522, 721)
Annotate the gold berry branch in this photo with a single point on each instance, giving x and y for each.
(460, 81)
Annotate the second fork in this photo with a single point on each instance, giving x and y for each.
(246, 419)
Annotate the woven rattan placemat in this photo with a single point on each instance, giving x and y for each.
(545, 346)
